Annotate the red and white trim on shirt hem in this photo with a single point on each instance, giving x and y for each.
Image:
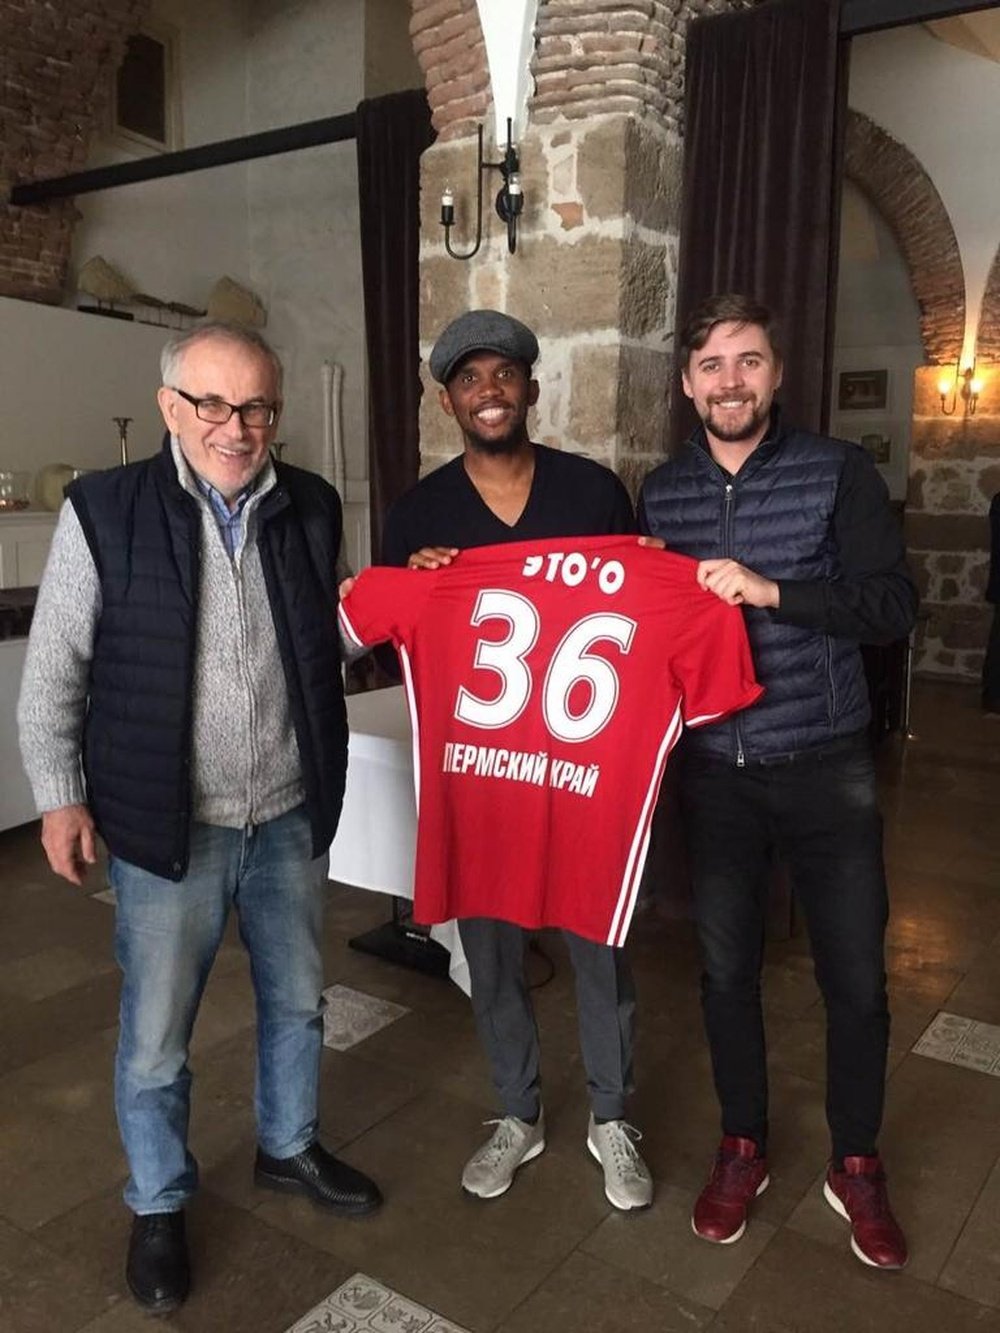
(635, 864)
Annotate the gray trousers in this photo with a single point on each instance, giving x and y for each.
(505, 1019)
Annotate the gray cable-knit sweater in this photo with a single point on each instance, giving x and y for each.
(245, 759)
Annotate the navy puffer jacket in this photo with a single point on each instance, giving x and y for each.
(776, 517)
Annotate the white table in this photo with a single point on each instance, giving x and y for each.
(376, 840)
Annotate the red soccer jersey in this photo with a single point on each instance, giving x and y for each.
(547, 683)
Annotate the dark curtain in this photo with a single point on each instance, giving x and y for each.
(392, 133)
(764, 109)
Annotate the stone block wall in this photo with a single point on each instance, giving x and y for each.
(56, 62)
(954, 472)
(594, 276)
(595, 269)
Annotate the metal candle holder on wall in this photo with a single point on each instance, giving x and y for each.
(509, 200)
(962, 387)
(123, 423)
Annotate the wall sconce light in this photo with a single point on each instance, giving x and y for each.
(509, 200)
(963, 386)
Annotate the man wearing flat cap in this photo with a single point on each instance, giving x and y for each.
(504, 488)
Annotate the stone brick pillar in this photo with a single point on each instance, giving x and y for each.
(56, 62)
(954, 472)
(595, 269)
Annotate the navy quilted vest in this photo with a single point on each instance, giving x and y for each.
(775, 517)
(144, 533)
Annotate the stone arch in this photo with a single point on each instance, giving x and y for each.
(988, 337)
(588, 59)
(607, 57)
(448, 43)
(898, 186)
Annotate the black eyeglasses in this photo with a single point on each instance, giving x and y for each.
(217, 411)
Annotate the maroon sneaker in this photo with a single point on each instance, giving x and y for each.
(859, 1194)
(738, 1176)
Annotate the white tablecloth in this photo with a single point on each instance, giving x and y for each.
(376, 840)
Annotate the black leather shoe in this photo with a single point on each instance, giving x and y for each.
(320, 1177)
(157, 1270)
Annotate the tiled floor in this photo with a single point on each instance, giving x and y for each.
(406, 1101)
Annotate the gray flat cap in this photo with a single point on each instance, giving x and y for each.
(482, 331)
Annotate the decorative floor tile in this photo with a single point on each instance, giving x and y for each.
(962, 1041)
(350, 1016)
(362, 1305)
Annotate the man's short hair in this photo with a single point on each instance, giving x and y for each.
(220, 330)
(729, 307)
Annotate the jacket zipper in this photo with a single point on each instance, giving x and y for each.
(727, 550)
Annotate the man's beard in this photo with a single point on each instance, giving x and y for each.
(736, 433)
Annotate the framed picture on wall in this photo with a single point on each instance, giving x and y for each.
(878, 444)
(863, 391)
(884, 438)
(144, 105)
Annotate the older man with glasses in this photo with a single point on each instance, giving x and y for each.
(182, 698)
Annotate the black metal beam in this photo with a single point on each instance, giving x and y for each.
(858, 16)
(309, 134)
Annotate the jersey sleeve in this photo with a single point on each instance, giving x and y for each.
(713, 666)
(384, 605)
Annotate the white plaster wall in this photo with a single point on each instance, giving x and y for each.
(64, 375)
(287, 227)
(173, 238)
(306, 61)
(942, 103)
(877, 328)
(390, 63)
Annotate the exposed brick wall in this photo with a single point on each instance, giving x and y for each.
(591, 57)
(55, 64)
(888, 173)
(449, 45)
(988, 338)
(611, 55)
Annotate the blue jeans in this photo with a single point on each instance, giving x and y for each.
(818, 812)
(166, 937)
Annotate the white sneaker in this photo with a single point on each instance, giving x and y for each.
(627, 1182)
(489, 1172)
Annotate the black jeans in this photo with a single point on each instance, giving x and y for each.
(818, 812)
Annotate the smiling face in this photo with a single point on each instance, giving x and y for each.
(230, 455)
(732, 381)
(489, 396)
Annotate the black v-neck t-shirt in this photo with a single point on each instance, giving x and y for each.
(570, 496)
